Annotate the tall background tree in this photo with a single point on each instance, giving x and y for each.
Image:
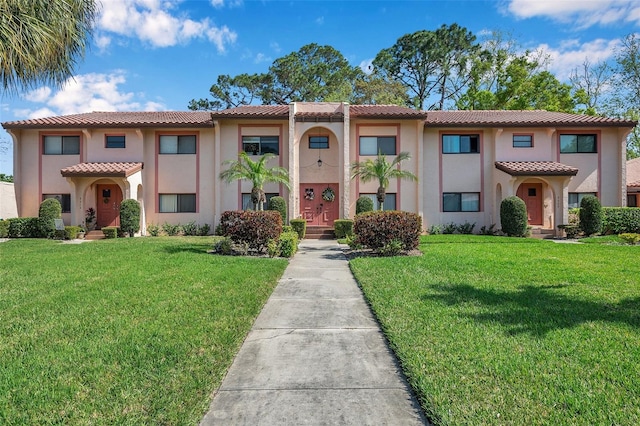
(258, 173)
(42, 40)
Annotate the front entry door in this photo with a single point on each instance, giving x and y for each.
(315, 210)
(531, 194)
(108, 202)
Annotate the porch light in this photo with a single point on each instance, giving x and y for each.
(319, 162)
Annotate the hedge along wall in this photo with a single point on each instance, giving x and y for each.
(618, 220)
(378, 228)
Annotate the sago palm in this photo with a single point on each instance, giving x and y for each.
(381, 170)
(244, 168)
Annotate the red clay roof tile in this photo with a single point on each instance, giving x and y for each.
(385, 111)
(253, 111)
(536, 168)
(101, 169)
(518, 119)
(633, 173)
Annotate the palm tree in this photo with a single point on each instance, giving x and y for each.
(244, 168)
(381, 170)
(41, 40)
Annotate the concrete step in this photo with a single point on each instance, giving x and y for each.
(94, 235)
(320, 233)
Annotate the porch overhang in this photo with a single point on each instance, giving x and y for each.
(535, 168)
(112, 169)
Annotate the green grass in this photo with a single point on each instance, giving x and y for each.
(126, 331)
(495, 330)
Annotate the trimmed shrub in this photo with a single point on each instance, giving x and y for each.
(110, 231)
(513, 216)
(300, 226)
(50, 209)
(130, 216)
(204, 230)
(153, 229)
(630, 238)
(449, 228)
(434, 230)
(71, 232)
(288, 244)
(466, 228)
(254, 228)
(377, 229)
(364, 204)
(4, 228)
(25, 227)
(280, 205)
(488, 231)
(590, 215)
(171, 229)
(620, 220)
(343, 227)
(190, 228)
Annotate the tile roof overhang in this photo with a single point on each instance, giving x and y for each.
(633, 173)
(633, 184)
(535, 168)
(317, 117)
(523, 118)
(386, 112)
(113, 169)
(156, 119)
(269, 112)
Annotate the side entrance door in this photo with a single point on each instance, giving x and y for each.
(531, 194)
(108, 202)
(316, 210)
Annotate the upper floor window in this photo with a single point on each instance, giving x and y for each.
(114, 141)
(65, 200)
(374, 145)
(318, 142)
(460, 144)
(578, 144)
(461, 202)
(177, 144)
(260, 145)
(177, 203)
(575, 198)
(61, 145)
(522, 141)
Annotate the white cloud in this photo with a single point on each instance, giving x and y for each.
(367, 66)
(261, 57)
(275, 47)
(86, 93)
(320, 20)
(583, 13)
(229, 3)
(156, 23)
(571, 54)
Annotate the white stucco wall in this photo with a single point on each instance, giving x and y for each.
(8, 207)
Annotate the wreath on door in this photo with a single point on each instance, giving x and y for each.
(328, 194)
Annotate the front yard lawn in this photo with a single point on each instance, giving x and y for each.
(495, 330)
(126, 331)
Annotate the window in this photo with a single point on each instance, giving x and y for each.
(578, 144)
(61, 145)
(65, 200)
(461, 202)
(522, 141)
(248, 205)
(318, 142)
(114, 141)
(260, 145)
(460, 144)
(576, 197)
(174, 144)
(632, 200)
(372, 145)
(177, 203)
(389, 201)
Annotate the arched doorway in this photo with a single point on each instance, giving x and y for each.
(108, 200)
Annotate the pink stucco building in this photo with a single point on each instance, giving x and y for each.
(467, 162)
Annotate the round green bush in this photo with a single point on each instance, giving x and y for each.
(364, 204)
(130, 216)
(50, 209)
(513, 216)
(280, 205)
(590, 215)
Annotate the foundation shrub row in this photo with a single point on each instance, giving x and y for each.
(387, 231)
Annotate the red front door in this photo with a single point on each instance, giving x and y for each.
(316, 210)
(108, 202)
(531, 194)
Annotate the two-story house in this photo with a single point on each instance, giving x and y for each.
(467, 162)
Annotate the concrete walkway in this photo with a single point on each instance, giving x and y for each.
(315, 355)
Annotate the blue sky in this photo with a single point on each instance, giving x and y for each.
(159, 54)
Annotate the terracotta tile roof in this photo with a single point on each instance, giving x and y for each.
(633, 173)
(320, 116)
(101, 169)
(280, 112)
(519, 119)
(536, 168)
(118, 119)
(385, 111)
